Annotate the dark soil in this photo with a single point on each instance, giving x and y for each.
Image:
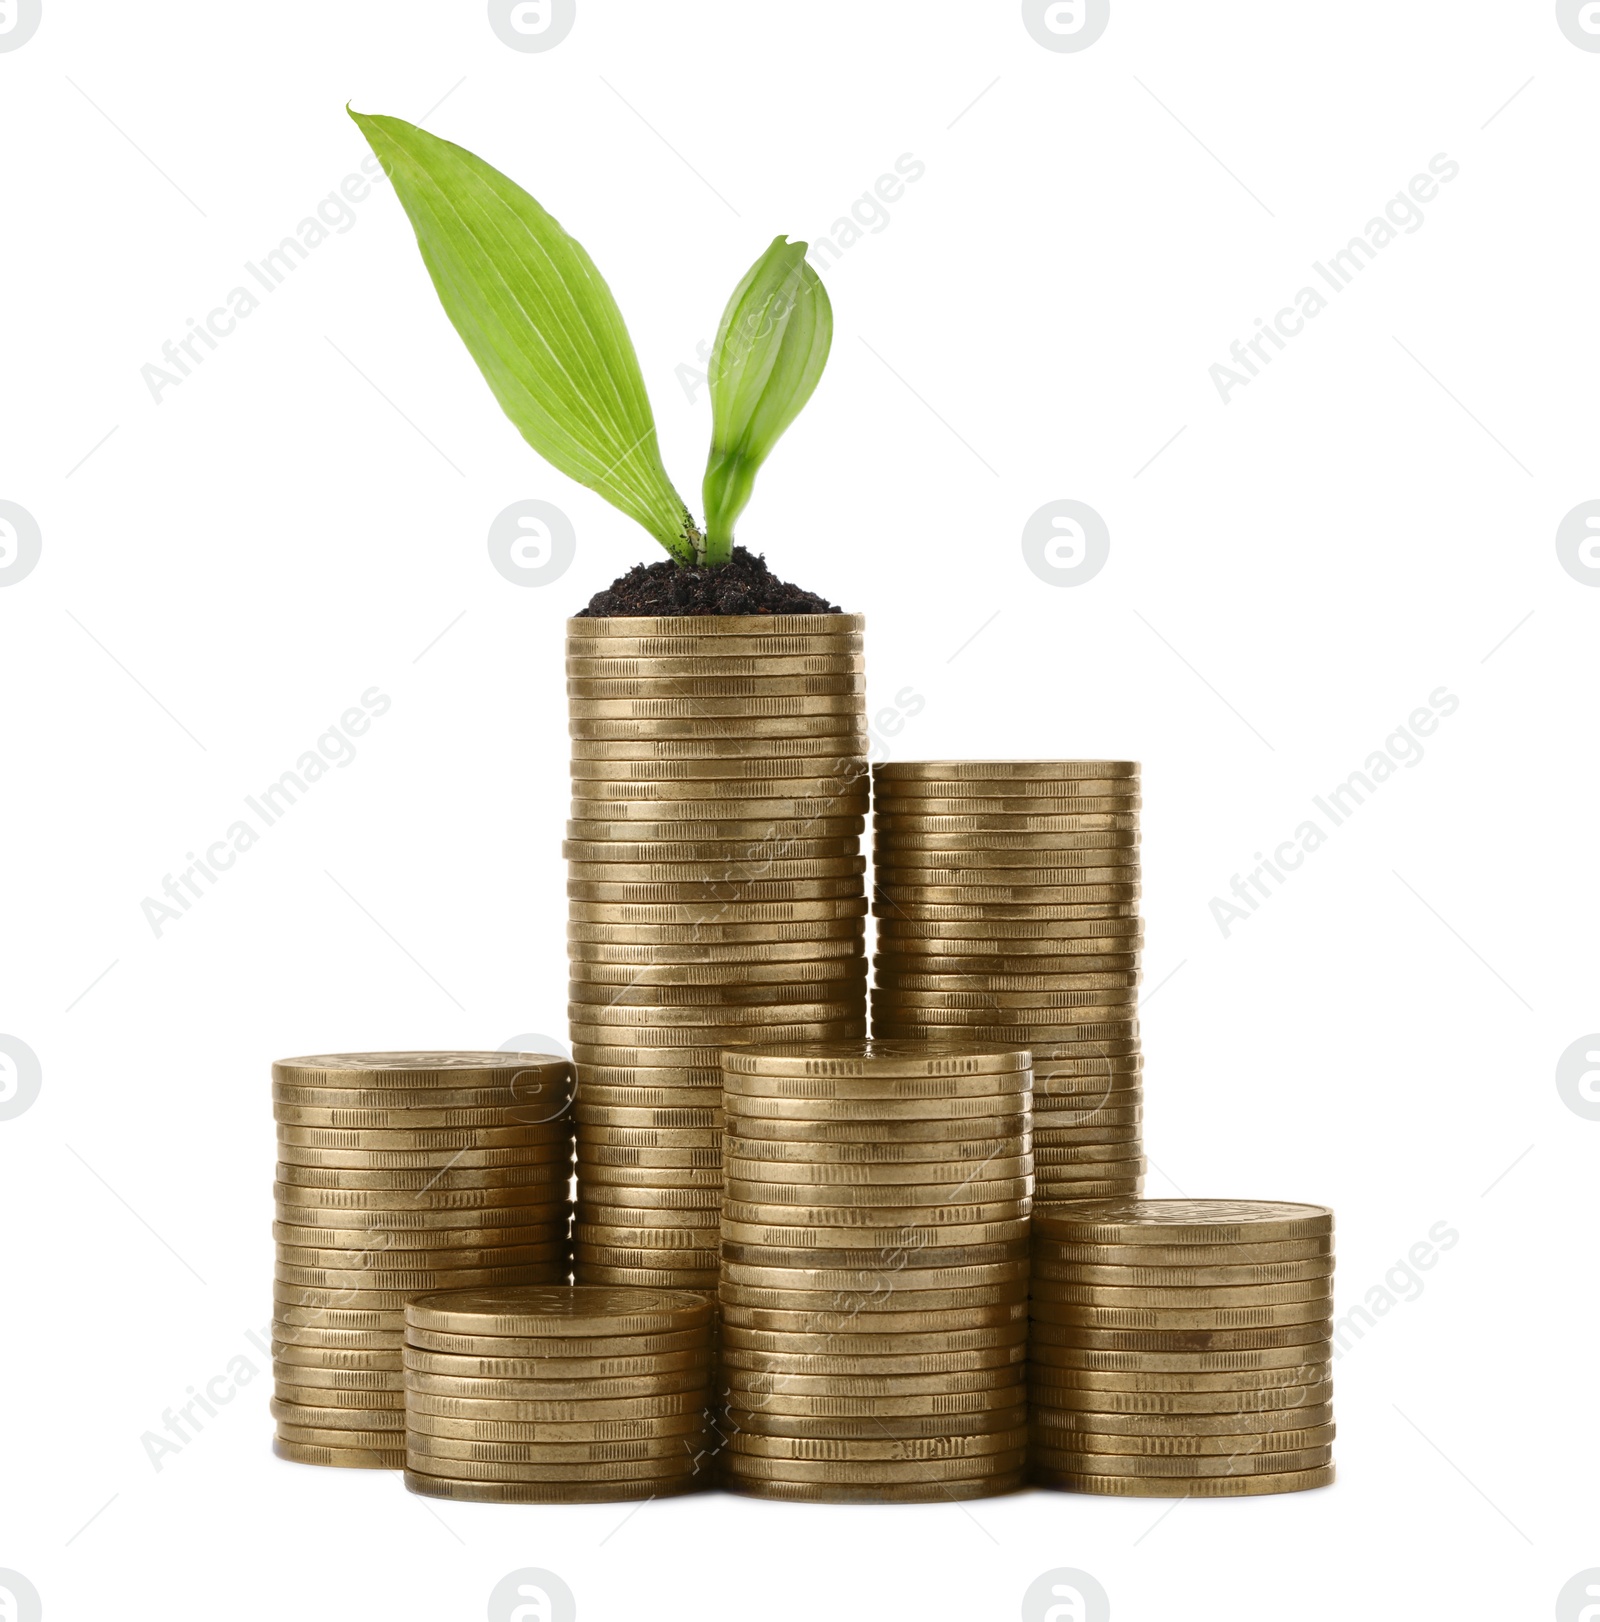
(743, 585)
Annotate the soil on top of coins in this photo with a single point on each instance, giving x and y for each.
(743, 585)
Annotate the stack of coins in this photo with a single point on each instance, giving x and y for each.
(717, 897)
(1181, 1348)
(400, 1172)
(874, 1275)
(1007, 906)
(557, 1396)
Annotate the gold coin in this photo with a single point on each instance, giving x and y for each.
(459, 1345)
(995, 916)
(990, 1191)
(919, 1249)
(589, 1000)
(902, 1449)
(710, 921)
(1047, 1248)
(1190, 1222)
(1318, 1271)
(966, 804)
(914, 827)
(598, 1177)
(315, 1338)
(1184, 1408)
(736, 830)
(343, 1458)
(1059, 1460)
(896, 791)
(657, 1278)
(884, 1326)
(898, 872)
(745, 1467)
(643, 1385)
(292, 1156)
(314, 1436)
(867, 1302)
(1179, 1487)
(846, 729)
(449, 1450)
(1003, 847)
(905, 1277)
(734, 791)
(540, 1310)
(1023, 1007)
(1002, 1111)
(324, 1417)
(839, 943)
(720, 851)
(1273, 1384)
(1052, 1194)
(660, 684)
(902, 892)
(935, 1427)
(413, 1070)
(902, 966)
(488, 1137)
(642, 1203)
(545, 1410)
(991, 1380)
(778, 1402)
(1003, 986)
(1079, 1027)
(937, 1136)
(1048, 1333)
(425, 1187)
(676, 1469)
(675, 1426)
(795, 1149)
(886, 1367)
(514, 1224)
(518, 1088)
(822, 663)
(1168, 1299)
(918, 771)
(747, 707)
(596, 1134)
(441, 1241)
(602, 1255)
(363, 1401)
(1048, 1314)
(934, 1492)
(731, 889)
(864, 1061)
(554, 1492)
(300, 1378)
(524, 1369)
(1187, 1445)
(887, 1236)
(897, 933)
(821, 1175)
(335, 1357)
(400, 1283)
(861, 1343)
(1217, 1361)
(1088, 1156)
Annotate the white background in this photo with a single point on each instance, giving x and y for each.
(305, 518)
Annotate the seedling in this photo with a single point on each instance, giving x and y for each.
(538, 318)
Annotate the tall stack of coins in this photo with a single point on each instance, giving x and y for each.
(557, 1396)
(716, 898)
(400, 1172)
(1182, 1348)
(1007, 900)
(874, 1275)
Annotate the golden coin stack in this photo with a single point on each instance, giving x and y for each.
(557, 1396)
(716, 898)
(874, 1274)
(1007, 901)
(1181, 1348)
(400, 1172)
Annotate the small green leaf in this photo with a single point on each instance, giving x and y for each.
(770, 351)
(539, 320)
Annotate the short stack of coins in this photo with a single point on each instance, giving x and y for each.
(716, 897)
(1007, 903)
(1182, 1348)
(397, 1173)
(874, 1274)
(557, 1395)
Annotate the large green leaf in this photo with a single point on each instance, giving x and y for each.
(770, 351)
(540, 322)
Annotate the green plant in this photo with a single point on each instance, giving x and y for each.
(538, 318)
